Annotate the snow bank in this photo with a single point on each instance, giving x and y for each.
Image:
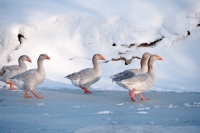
(67, 29)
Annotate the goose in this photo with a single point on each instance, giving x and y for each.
(131, 72)
(8, 72)
(86, 77)
(141, 82)
(29, 80)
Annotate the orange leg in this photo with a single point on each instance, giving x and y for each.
(36, 95)
(132, 94)
(11, 83)
(86, 91)
(12, 88)
(142, 98)
(26, 95)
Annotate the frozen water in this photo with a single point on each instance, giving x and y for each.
(67, 110)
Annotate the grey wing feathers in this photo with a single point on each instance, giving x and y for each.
(11, 68)
(79, 75)
(123, 75)
(72, 76)
(26, 75)
(141, 78)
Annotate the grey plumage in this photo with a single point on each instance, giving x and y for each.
(3, 70)
(86, 77)
(29, 80)
(10, 71)
(123, 75)
(131, 72)
(142, 82)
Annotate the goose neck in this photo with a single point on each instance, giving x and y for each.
(143, 64)
(95, 63)
(150, 67)
(21, 63)
(40, 65)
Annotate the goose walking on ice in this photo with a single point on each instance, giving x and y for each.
(86, 77)
(132, 72)
(8, 72)
(29, 80)
(141, 82)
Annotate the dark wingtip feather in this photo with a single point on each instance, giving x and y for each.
(2, 71)
(66, 77)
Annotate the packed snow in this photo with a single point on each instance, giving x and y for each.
(66, 30)
(104, 113)
(71, 32)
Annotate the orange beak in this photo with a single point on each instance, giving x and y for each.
(159, 58)
(29, 60)
(102, 58)
(47, 57)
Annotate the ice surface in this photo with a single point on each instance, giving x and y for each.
(67, 110)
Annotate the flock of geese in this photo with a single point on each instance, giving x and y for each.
(134, 80)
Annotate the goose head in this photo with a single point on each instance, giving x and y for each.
(25, 58)
(43, 57)
(155, 57)
(98, 57)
